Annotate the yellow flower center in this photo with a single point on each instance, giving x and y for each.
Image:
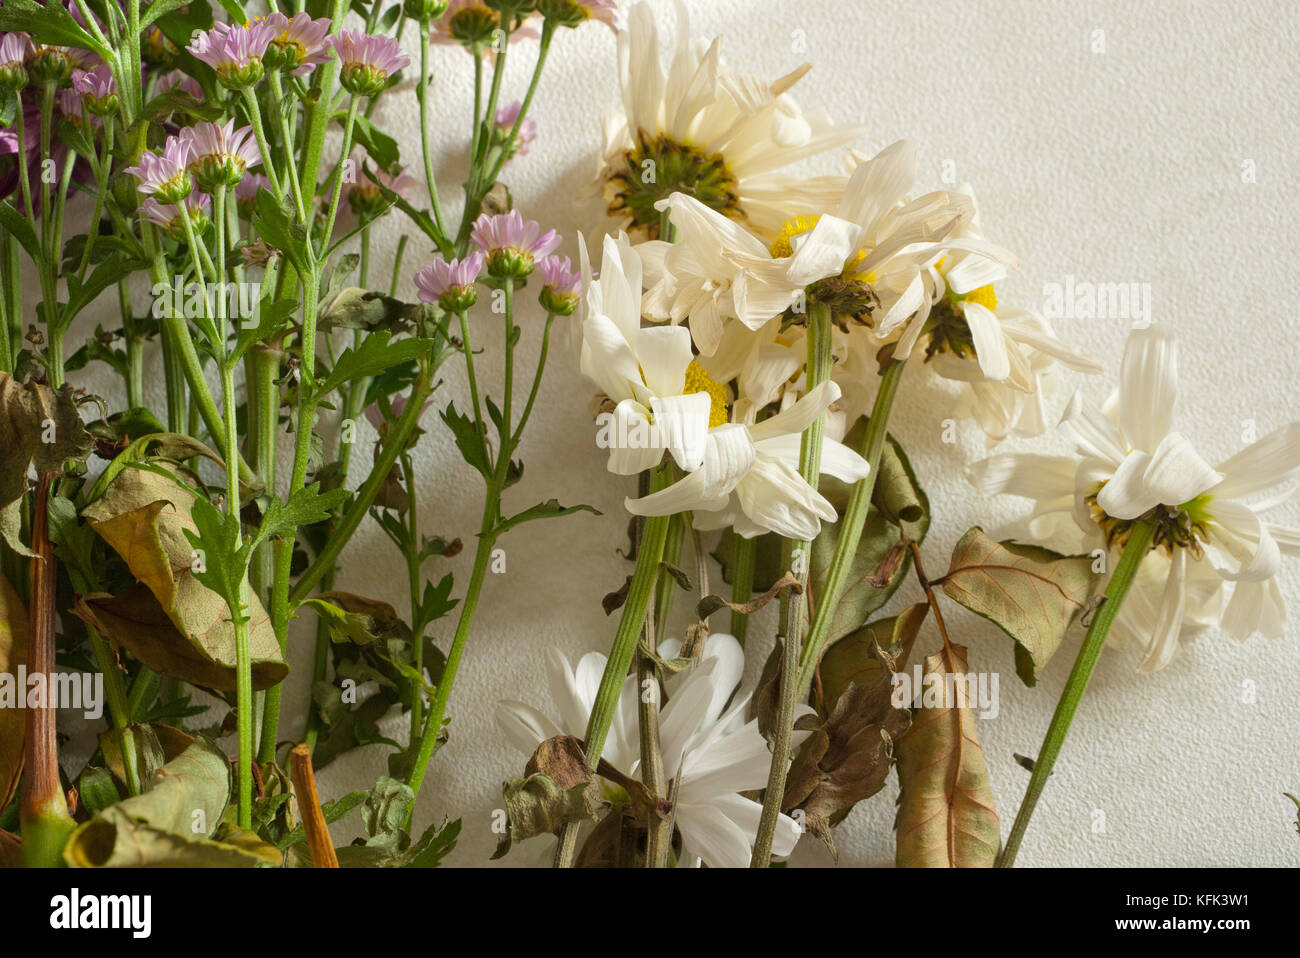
(783, 246)
(984, 296)
(698, 381)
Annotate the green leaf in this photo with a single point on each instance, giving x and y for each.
(878, 648)
(382, 148)
(49, 24)
(469, 440)
(276, 225)
(356, 619)
(20, 228)
(433, 846)
(306, 506)
(333, 812)
(945, 817)
(168, 446)
(550, 509)
(1031, 593)
(375, 354)
(81, 295)
(158, 8)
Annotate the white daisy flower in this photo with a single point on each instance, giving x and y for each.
(711, 754)
(749, 479)
(700, 127)
(1131, 465)
(660, 400)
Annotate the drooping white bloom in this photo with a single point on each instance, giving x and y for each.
(642, 371)
(1131, 465)
(711, 754)
(750, 480)
(724, 136)
(1004, 356)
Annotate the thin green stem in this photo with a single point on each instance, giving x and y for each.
(1135, 550)
(630, 626)
(851, 526)
(795, 608)
(742, 584)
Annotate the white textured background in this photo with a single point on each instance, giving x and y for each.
(1119, 166)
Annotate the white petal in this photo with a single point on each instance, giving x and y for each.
(1126, 495)
(682, 423)
(799, 416)
(990, 346)
(1263, 464)
(664, 352)
(1176, 472)
(1148, 386)
(1029, 475)
(1244, 550)
(1169, 621)
(524, 726)
(1256, 607)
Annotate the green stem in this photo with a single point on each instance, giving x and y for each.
(421, 94)
(118, 709)
(795, 607)
(851, 526)
(630, 626)
(1135, 550)
(438, 707)
(742, 584)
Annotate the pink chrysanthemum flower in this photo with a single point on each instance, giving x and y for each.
(69, 104)
(366, 61)
(14, 50)
(367, 199)
(450, 283)
(175, 79)
(299, 45)
(220, 154)
(98, 89)
(561, 286)
(165, 177)
(234, 52)
(505, 122)
(512, 243)
(472, 23)
(574, 13)
(168, 215)
(246, 191)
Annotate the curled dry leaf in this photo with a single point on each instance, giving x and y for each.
(13, 720)
(38, 425)
(169, 620)
(174, 822)
(1031, 593)
(558, 788)
(846, 759)
(945, 817)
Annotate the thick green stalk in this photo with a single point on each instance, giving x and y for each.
(1135, 550)
(794, 608)
(851, 526)
(630, 625)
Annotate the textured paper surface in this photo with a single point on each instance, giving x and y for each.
(1117, 166)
